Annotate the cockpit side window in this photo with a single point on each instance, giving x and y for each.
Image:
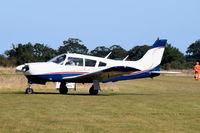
(90, 63)
(73, 61)
(102, 64)
(58, 59)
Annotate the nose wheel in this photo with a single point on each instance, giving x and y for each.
(29, 90)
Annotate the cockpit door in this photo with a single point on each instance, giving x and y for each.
(74, 64)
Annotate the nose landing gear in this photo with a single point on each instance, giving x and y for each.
(29, 90)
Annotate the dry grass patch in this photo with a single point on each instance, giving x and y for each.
(7, 70)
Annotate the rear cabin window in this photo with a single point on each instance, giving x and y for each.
(73, 61)
(90, 63)
(102, 64)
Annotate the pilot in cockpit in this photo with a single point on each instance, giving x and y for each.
(70, 63)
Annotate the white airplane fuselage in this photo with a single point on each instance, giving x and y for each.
(78, 68)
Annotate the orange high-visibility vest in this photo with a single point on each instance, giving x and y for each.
(197, 68)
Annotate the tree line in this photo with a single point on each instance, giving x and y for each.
(23, 53)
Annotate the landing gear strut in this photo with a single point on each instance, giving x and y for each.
(29, 90)
(63, 89)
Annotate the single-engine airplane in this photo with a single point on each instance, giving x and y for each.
(78, 68)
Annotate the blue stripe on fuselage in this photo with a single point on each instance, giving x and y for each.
(56, 77)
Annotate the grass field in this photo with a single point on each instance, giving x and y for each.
(162, 105)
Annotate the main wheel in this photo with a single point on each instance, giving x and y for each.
(29, 91)
(92, 91)
(63, 89)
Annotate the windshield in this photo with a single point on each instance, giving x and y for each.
(59, 59)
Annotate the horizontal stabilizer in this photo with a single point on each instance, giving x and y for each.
(165, 72)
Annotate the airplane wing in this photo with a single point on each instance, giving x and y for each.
(101, 75)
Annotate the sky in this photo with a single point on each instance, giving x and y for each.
(99, 22)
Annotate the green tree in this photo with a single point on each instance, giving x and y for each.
(25, 53)
(73, 45)
(193, 52)
(43, 52)
(4, 61)
(20, 54)
(100, 51)
(117, 52)
(173, 58)
(137, 52)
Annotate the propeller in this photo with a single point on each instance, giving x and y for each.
(25, 68)
(22, 68)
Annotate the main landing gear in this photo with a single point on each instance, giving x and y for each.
(63, 89)
(94, 90)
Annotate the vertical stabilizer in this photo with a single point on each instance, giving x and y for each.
(153, 56)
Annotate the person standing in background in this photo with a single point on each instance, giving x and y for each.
(197, 70)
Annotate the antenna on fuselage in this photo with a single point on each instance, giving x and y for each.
(125, 58)
(108, 55)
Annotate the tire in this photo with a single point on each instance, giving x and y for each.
(63, 89)
(92, 91)
(29, 91)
